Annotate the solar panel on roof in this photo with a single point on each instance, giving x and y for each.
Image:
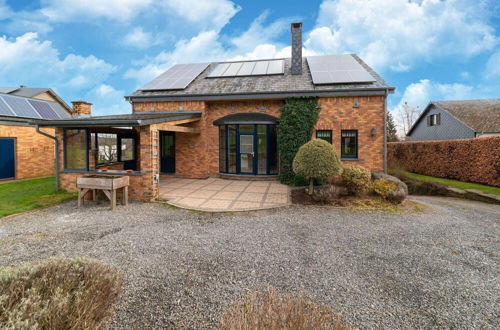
(334, 69)
(248, 68)
(177, 77)
(4, 108)
(44, 109)
(20, 106)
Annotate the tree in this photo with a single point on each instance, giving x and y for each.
(408, 115)
(316, 159)
(392, 131)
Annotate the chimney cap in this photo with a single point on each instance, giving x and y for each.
(296, 25)
(81, 101)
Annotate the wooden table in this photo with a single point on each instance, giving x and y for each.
(108, 184)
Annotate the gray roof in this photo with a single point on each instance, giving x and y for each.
(55, 106)
(133, 119)
(481, 115)
(275, 86)
(33, 91)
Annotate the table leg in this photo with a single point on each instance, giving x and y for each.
(79, 197)
(125, 196)
(94, 195)
(113, 199)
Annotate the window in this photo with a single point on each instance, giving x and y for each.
(434, 120)
(349, 144)
(75, 149)
(127, 149)
(107, 145)
(324, 135)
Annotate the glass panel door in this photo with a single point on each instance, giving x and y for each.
(246, 153)
(167, 157)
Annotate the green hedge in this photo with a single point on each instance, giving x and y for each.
(297, 119)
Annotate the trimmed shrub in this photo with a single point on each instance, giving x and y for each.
(297, 119)
(58, 294)
(316, 159)
(274, 311)
(356, 179)
(469, 160)
(396, 195)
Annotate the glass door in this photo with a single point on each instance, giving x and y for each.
(246, 148)
(167, 155)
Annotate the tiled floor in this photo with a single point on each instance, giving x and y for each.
(219, 195)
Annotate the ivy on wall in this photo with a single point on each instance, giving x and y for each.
(297, 119)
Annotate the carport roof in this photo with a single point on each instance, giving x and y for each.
(134, 119)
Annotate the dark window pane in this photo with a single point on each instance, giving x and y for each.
(349, 144)
(127, 149)
(273, 150)
(232, 148)
(262, 149)
(222, 149)
(76, 148)
(324, 135)
(107, 145)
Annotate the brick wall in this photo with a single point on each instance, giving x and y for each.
(34, 152)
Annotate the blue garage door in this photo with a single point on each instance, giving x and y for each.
(7, 159)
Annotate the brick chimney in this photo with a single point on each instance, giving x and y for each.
(81, 108)
(296, 48)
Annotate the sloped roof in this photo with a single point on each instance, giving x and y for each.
(32, 92)
(482, 115)
(23, 108)
(261, 86)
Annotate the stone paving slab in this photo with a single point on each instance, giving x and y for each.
(223, 195)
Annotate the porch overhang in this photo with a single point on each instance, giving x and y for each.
(129, 120)
(247, 118)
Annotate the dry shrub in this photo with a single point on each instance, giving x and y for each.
(383, 187)
(58, 294)
(271, 310)
(470, 160)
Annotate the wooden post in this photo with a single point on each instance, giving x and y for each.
(113, 199)
(94, 195)
(125, 196)
(79, 197)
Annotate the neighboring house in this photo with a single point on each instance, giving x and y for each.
(449, 120)
(46, 94)
(220, 119)
(23, 152)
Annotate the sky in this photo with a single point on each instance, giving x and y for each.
(101, 51)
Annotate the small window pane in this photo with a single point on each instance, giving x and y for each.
(273, 150)
(107, 148)
(246, 129)
(127, 149)
(262, 149)
(76, 148)
(232, 148)
(349, 144)
(222, 149)
(324, 135)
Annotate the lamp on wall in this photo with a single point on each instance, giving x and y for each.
(262, 108)
(181, 108)
(152, 108)
(233, 109)
(373, 132)
(355, 104)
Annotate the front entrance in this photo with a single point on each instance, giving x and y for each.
(167, 152)
(7, 161)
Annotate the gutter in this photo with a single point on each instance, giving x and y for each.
(56, 153)
(385, 131)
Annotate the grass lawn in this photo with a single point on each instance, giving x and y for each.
(452, 183)
(22, 196)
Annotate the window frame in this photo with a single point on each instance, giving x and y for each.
(65, 144)
(356, 144)
(330, 140)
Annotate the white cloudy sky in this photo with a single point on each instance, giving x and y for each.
(102, 50)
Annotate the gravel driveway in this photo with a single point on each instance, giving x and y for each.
(438, 269)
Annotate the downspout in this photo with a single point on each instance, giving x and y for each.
(56, 153)
(385, 132)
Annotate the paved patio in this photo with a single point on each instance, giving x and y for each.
(221, 195)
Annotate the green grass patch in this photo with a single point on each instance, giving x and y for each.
(451, 183)
(26, 195)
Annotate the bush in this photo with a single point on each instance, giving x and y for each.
(272, 310)
(397, 194)
(58, 294)
(356, 179)
(297, 119)
(316, 159)
(383, 187)
(468, 160)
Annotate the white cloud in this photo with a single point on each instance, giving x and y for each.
(138, 38)
(396, 34)
(492, 69)
(70, 10)
(110, 100)
(27, 60)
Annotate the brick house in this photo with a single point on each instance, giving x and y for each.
(23, 152)
(220, 119)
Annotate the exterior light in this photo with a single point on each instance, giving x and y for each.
(181, 108)
(233, 109)
(152, 108)
(355, 104)
(374, 132)
(262, 108)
